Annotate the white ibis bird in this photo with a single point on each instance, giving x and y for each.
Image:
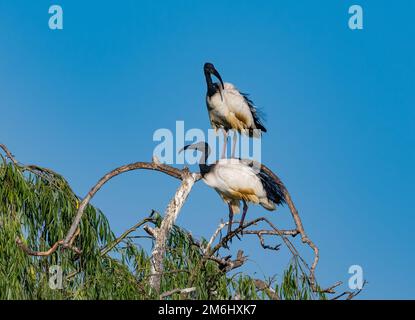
(230, 109)
(238, 180)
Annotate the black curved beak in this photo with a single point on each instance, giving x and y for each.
(185, 148)
(217, 75)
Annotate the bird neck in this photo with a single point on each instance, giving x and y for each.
(204, 169)
(211, 89)
(203, 166)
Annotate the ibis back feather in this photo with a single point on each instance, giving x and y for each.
(236, 180)
(234, 111)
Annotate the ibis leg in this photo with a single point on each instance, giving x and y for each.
(230, 218)
(245, 209)
(234, 140)
(225, 142)
(229, 226)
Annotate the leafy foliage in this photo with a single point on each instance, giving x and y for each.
(38, 206)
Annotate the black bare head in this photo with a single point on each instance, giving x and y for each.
(210, 69)
(204, 148)
(201, 146)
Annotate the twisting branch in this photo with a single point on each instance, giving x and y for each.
(176, 173)
(74, 230)
(265, 246)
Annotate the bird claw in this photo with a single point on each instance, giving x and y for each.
(225, 244)
(241, 232)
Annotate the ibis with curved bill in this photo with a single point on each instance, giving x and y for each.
(229, 109)
(237, 180)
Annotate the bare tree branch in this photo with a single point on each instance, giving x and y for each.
(161, 234)
(214, 236)
(265, 246)
(350, 294)
(181, 291)
(176, 173)
(72, 233)
(226, 264)
(331, 288)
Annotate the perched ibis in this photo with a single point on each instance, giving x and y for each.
(239, 180)
(229, 109)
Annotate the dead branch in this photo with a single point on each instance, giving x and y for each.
(226, 264)
(214, 236)
(265, 246)
(350, 294)
(181, 291)
(150, 231)
(176, 173)
(242, 229)
(331, 288)
(161, 234)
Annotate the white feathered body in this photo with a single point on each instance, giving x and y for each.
(234, 180)
(231, 111)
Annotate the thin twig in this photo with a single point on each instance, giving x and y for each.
(350, 294)
(265, 246)
(111, 246)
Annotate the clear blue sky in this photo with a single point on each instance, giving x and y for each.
(339, 106)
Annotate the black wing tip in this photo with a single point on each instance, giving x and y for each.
(255, 114)
(260, 126)
(274, 188)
